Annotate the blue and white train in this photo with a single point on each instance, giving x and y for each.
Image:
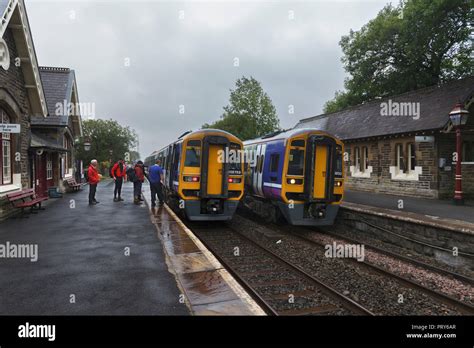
(295, 174)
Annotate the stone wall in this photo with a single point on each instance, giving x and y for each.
(14, 100)
(393, 230)
(382, 156)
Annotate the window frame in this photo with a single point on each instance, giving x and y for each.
(49, 166)
(357, 161)
(411, 157)
(6, 142)
(400, 158)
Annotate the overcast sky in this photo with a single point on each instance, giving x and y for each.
(139, 61)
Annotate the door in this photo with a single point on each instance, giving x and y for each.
(214, 170)
(320, 171)
(40, 175)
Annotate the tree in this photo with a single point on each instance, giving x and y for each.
(109, 141)
(417, 44)
(250, 112)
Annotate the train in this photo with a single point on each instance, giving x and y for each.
(295, 175)
(202, 174)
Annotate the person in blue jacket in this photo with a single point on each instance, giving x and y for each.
(155, 177)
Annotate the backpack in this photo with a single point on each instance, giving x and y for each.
(132, 176)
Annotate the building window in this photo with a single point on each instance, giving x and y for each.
(49, 167)
(365, 159)
(468, 151)
(357, 159)
(411, 156)
(400, 160)
(6, 153)
(67, 144)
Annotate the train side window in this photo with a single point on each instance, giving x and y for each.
(193, 154)
(296, 162)
(274, 161)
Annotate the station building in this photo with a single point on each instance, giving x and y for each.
(404, 145)
(40, 153)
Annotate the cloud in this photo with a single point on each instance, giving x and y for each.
(182, 53)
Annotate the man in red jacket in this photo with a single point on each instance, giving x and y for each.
(94, 178)
(137, 184)
(118, 173)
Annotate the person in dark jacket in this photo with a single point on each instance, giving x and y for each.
(93, 177)
(118, 173)
(155, 177)
(137, 184)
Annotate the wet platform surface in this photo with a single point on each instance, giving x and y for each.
(209, 288)
(82, 252)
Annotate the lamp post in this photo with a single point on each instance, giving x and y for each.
(458, 117)
(87, 144)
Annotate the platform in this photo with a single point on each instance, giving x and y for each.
(428, 210)
(209, 288)
(81, 252)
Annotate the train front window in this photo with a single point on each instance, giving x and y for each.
(235, 165)
(193, 154)
(296, 162)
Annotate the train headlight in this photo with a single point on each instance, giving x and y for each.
(338, 183)
(234, 180)
(191, 178)
(294, 181)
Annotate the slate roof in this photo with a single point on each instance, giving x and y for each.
(365, 120)
(53, 121)
(57, 86)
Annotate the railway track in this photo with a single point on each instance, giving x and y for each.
(460, 306)
(395, 255)
(280, 286)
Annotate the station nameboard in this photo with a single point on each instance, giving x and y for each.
(424, 139)
(10, 128)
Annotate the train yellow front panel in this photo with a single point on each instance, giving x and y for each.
(320, 169)
(214, 170)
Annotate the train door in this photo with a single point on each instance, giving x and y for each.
(258, 170)
(319, 161)
(320, 171)
(215, 169)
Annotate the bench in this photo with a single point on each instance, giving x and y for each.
(72, 184)
(25, 199)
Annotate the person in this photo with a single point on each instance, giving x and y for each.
(93, 178)
(137, 183)
(118, 174)
(155, 177)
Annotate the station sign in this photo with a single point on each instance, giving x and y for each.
(424, 139)
(10, 128)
